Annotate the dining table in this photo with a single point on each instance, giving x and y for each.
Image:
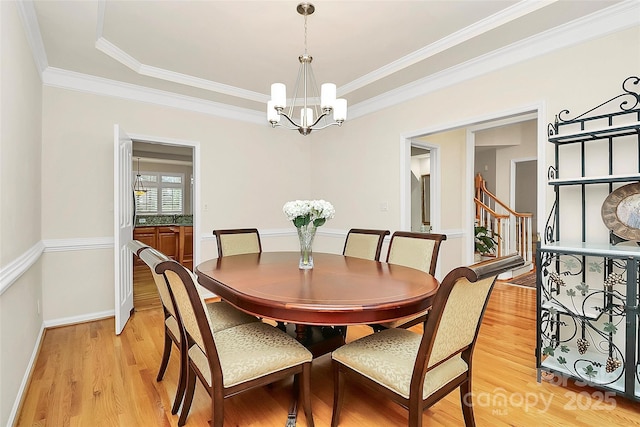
(338, 291)
(316, 305)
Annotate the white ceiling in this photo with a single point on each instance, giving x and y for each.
(231, 51)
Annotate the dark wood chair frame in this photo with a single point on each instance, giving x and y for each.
(219, 233)
(153, 257)
(217, 391)
(415, 404)
(380, 233)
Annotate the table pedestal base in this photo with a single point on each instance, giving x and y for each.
(319, 340)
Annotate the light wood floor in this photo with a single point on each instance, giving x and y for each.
(145, 292)
(87, 376)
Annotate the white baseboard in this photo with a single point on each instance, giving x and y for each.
(89, 317)
(25, 378)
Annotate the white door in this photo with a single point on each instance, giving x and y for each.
(123, 206)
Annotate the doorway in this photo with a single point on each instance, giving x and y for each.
(162, 212)
(123, 173)
(420, 188)
(464, 167)
(523, 173)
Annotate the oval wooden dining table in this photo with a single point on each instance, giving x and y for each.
(339, 290)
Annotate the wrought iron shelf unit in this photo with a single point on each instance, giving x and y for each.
(595, 134)
(596, 180)
(588, 324)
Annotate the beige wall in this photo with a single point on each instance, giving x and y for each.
(526, 135)
(20, 138)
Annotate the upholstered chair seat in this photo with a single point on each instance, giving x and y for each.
(250, 351)
(389, 357)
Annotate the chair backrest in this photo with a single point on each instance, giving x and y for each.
(238, 241)
(363, 243)
(456, 314)
(415, 250)
(153, 257)
(192, 316)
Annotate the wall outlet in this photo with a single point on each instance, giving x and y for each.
(142, 220)
(384, 207)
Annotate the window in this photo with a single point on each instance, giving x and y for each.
(165, 193)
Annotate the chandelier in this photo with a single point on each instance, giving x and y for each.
(313, 115)
(138, 186)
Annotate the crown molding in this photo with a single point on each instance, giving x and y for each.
(613, 19)
(56, 77)
(487, 24)
(504, 16)
(27, 13)
(108, 48)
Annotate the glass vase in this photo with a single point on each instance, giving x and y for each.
(306, 233)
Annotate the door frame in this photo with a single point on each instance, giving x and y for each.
(434, 185)
(536, 110)
(195, 146)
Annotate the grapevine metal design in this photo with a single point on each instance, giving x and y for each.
(566, 322)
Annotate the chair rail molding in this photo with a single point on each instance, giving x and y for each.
(12, 272)
(78, 244)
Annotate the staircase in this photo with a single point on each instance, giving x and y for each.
(512, 230)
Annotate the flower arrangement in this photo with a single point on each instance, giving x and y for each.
(303, 212)
(307, 215)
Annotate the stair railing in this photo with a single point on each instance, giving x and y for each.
(512, 229)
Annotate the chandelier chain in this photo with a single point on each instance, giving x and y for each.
(305, 35)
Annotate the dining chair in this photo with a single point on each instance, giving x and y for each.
(364, 243)
(238, 241)
(414, 369)
(414, 250)
(232, 360)
(222, 316)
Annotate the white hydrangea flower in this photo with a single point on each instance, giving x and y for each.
(302, 212)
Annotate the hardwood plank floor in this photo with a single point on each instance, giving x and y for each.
(145, 291)
(87, 376)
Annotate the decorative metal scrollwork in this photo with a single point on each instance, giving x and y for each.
(549, 227)
(630, 100)
(589, 316)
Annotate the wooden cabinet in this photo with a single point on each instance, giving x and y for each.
(146, 235)
(168, 241)
(174, 241)
(185, 247)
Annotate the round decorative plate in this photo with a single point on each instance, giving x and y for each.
(621, 211)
